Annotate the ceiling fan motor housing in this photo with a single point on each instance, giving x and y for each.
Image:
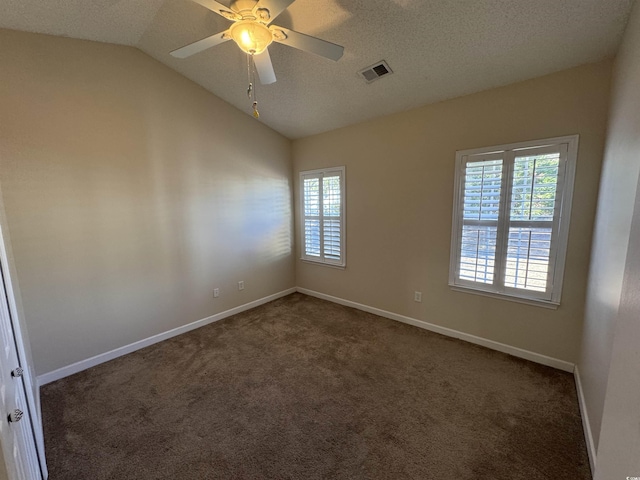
(245, 8)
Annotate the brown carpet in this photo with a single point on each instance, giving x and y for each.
(301, 388)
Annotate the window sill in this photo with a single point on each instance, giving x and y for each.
(323, 264)
(527, 301)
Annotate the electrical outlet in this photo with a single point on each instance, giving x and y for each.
(241, 285)
(417, 296)
(216, 292)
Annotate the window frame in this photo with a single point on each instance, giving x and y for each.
(322, 260)
(568, 147)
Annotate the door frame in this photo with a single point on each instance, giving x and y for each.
(24, 354)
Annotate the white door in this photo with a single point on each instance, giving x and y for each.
(16, 429)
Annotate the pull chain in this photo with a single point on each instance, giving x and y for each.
(251, 91)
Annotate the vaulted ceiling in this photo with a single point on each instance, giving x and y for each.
(437, 49)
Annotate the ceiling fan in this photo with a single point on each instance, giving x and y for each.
(253, 32)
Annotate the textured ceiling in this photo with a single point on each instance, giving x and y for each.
(438, 49)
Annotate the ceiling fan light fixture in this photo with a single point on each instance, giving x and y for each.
(252, 37)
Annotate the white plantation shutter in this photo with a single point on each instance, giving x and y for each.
(534, 216)
(323, 215)
(311, 207)
(510, 222)
(482, 185)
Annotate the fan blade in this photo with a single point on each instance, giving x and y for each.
(218, 8)
(308, 44)
(274, 7)
(201, 45)
(265, 68)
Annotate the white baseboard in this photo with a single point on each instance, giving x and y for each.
(118, 352)
(500, 347)
(586, 425)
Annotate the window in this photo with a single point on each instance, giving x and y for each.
(512, 205)
(322, 201)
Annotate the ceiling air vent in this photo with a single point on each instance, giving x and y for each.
(375, 71)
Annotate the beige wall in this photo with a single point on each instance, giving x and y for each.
(399, 188)
(619, 433)
(610, 360)
(130, 193)
(611, 236)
